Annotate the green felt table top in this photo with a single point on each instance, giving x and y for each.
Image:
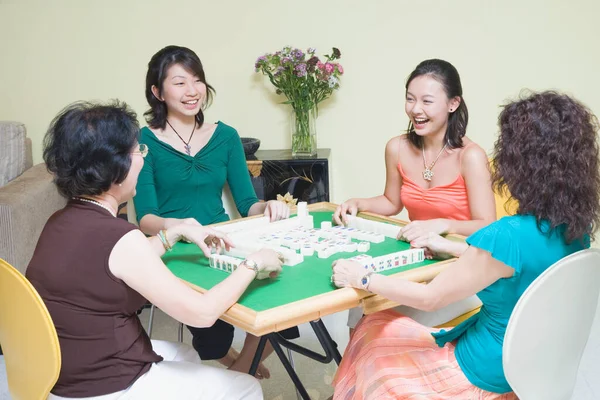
(309, 278)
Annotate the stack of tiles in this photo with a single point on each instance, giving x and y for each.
(390, 261)
(224, 263)
(363, 247)
(385, 229)
(302, 209)
(359, 234)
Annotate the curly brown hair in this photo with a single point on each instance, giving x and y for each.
(546, 159)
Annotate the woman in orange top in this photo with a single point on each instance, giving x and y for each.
(440, 176)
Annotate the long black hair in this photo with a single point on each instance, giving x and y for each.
(448, 76)
(158, 66)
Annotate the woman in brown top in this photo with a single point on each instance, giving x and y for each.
(94, 271)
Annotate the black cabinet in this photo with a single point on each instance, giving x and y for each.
(276, 172)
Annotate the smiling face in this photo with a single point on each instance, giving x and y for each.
(182, 92)
(428, 106)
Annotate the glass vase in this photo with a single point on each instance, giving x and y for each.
(304, 132)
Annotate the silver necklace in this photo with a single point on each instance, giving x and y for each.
(96, 203)
(428, 172)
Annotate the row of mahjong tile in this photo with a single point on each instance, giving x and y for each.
(298, 238)
(308, 249)
(375, 264)
(324, 248)
(327, 231)
(224, 263)
(354, 233)
(390, 261)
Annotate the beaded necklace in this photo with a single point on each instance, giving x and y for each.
(96, 203)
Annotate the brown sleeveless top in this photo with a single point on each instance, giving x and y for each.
(104, 347)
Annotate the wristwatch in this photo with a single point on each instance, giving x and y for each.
(365, 281)
(250, 264)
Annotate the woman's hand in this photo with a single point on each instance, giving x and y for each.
(269, 263)
(347, 273)
(439, 247)
(418, 229)
(276, 210)
(207, 239)
(348, 207)
(171, 222)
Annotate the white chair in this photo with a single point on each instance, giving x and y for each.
(550, 326)
(131, 215)
(229, 203)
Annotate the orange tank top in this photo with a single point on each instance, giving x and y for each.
(446, 201)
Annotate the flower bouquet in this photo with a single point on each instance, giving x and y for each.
(305, 81)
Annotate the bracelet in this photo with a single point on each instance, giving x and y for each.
(251, 265)
(162, 235)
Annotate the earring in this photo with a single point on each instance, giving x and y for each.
(451, 109)
(120, 184)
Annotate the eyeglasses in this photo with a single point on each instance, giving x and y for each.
(143, 150)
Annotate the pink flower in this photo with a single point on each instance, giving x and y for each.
(340, 69)
(329, 68)
(320, 65)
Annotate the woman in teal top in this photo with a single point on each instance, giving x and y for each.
(188, 163)
(547, 158)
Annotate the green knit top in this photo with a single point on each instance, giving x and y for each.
(175, 185)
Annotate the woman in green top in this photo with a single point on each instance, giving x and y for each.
(547, 158)
(188, 163)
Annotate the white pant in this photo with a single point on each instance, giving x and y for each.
(181, 376)
(431, 319)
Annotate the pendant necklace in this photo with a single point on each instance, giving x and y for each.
(186, 145)
(428, 172)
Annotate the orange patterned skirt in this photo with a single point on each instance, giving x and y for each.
(391, 356)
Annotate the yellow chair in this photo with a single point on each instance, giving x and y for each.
(503, 207)
(28, 337)
(459, 319)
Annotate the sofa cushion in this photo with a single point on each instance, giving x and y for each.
(13, 151)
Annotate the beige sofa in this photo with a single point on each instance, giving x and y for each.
(27, 196)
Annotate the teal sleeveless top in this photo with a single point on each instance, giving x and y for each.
(519, 243)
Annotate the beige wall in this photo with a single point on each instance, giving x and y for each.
(56, 52)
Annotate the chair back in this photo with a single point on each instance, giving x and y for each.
(503, 208)
(229, 203)
(28, 337)
(550, 326)
(131, 215)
